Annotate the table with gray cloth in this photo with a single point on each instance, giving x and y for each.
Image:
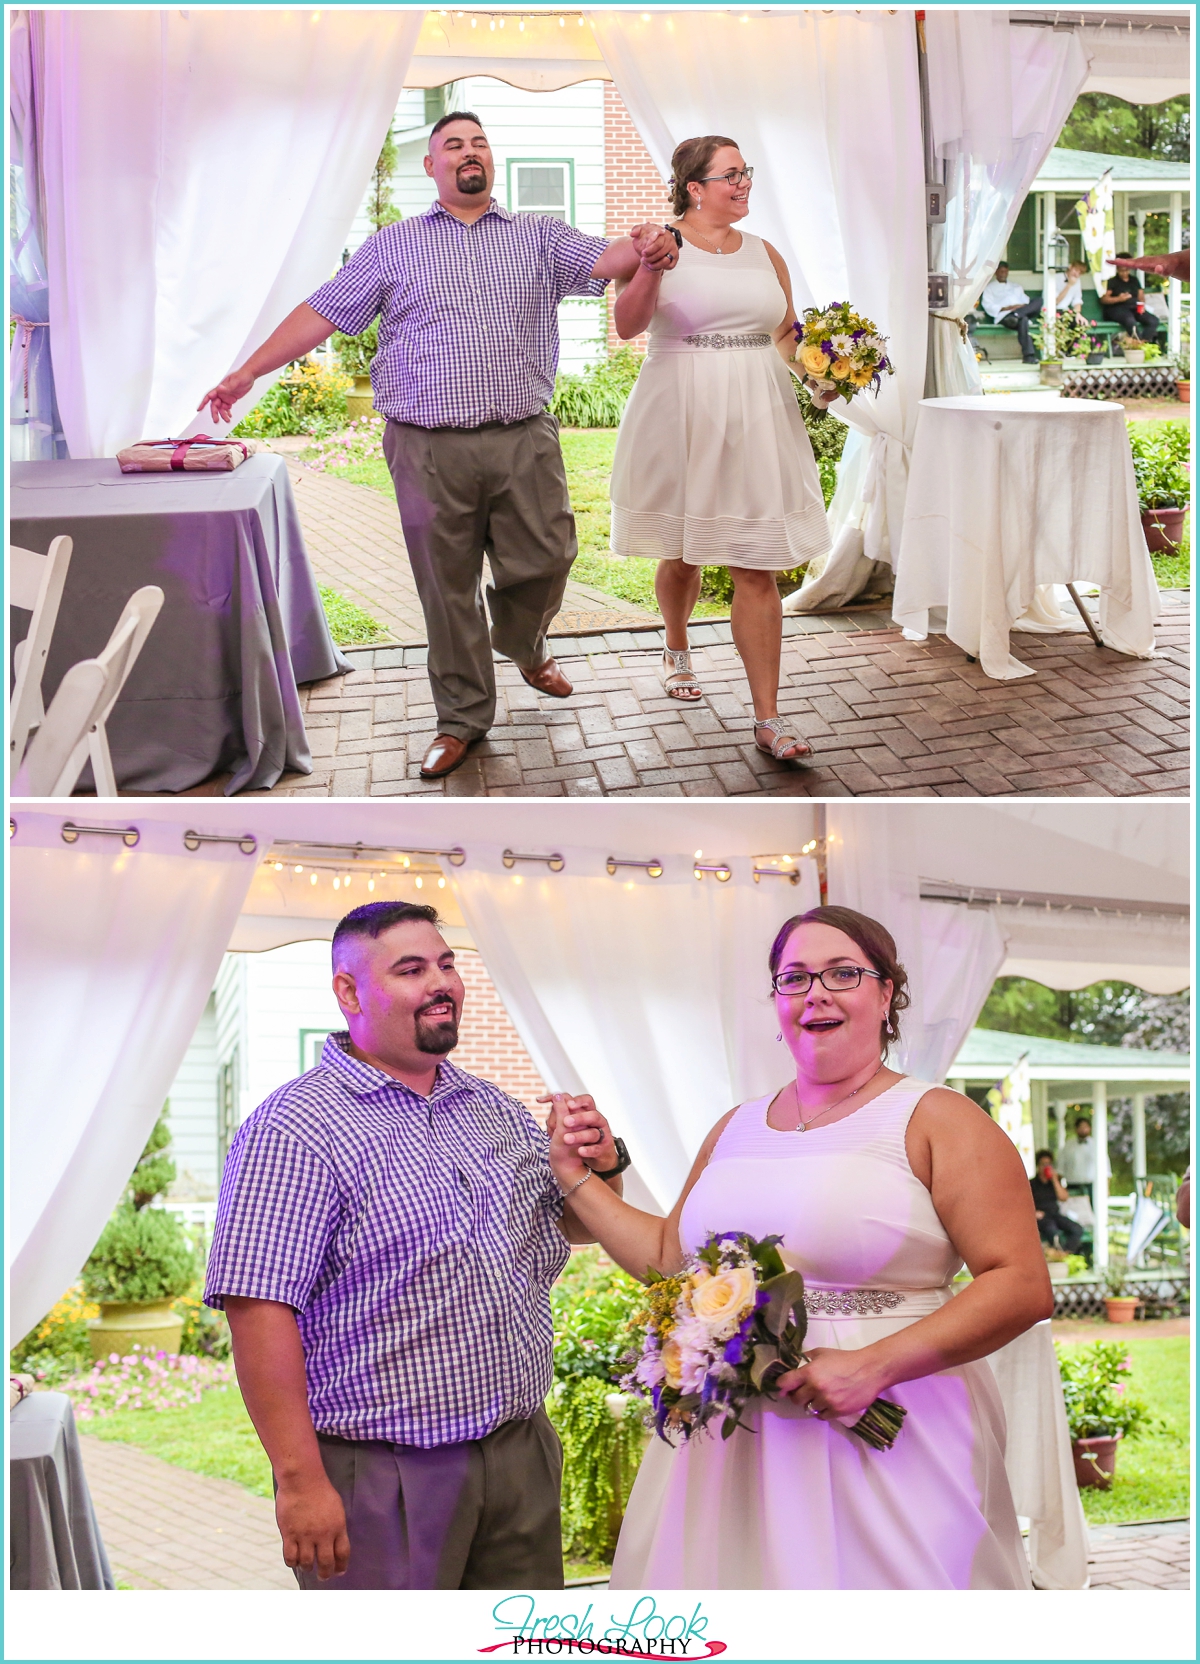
(215, 688)
(54, 1542)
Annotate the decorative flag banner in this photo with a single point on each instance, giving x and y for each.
(1009, 1104)
(1095, 211)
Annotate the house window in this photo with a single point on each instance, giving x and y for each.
(542, 187)
(227, 1098)
(312, 1040)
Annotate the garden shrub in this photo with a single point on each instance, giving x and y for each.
(355, 352)
(58, 1347)
(603, 1430)
(1098, 1401)
(141, 1255)
(596, 397)
(1161, 464)
(308, 399)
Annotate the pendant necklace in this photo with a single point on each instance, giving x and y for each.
(803, 1126)
(705, 239)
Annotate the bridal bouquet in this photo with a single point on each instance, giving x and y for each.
(840, 351)
(721, 1333)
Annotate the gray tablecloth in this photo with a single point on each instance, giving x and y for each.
(54, 1542)
(215, 688)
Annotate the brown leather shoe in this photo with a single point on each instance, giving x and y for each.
(443, 756)
(548, 678)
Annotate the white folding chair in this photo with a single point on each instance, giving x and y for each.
(35, 582)
(59, 750)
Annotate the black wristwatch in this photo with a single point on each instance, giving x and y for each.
(624, 1160)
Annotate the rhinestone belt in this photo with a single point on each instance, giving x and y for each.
(851, 1302)
(720, 341)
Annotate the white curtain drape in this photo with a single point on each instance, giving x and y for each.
(993, 131)
(951, 954)
(113, 952)
(201, 170)
(827, 110)
(653, 994)
(36, 432)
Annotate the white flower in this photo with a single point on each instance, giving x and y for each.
(841, 344)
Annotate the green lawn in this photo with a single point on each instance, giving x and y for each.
(1152, 1470)
(349, 625)
(215, 1437)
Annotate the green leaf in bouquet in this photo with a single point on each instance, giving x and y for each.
(766, 1256)
(786, 1297)
(765, 1357)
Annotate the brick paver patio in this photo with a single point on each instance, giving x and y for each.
(165, 1528)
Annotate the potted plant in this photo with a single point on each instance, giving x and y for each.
(1183, 381)
(1160, 468)
(1119, 1307)
(1100, 1409)
(1056, 1264)
(142, 1262)
(1134, 348)
(354, 354)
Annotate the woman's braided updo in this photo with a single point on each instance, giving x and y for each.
(691, 162)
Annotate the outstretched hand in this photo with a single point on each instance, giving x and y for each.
(579, 1137)
(222, 398)
(655, 247)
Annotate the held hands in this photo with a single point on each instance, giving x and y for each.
(312, 1523)
(835, 1383)
(579, 1137)
(222, 398)
(654, 246)
(821, 397)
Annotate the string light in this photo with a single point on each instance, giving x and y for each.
(441, 883)
(370, 883)
(279, 866)
(420, 882)
(313, 879)
(809, 847)
(297, 869)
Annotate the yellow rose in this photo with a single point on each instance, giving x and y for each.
(672, 1360)
(814, 360)
(721, 1302)
(862, 375)
(841, 368)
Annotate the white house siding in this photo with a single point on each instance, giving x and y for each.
(192, 1112)
(529, 126)
(287, 991)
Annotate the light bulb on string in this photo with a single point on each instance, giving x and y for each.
(337, 883)
(313, 878)
(441, 883)
(420, 881)
(279, 866)
(370, 883)
(346, 882)
(297, 869)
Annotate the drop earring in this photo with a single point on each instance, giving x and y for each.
(890, 1031)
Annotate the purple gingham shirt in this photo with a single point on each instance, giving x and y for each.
(468, 328)
(416, 1239)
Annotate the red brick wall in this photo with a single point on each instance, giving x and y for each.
(489, 1045)
(633, 187)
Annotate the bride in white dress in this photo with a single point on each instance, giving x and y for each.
(713, 465)
(880, 1187)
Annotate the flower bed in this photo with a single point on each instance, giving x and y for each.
(144, 1381)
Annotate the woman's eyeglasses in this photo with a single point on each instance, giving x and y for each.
(733, 177)
(837, 979)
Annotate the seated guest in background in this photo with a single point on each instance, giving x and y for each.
(1183, 1201)
(387, 1233)
(1079, 1159)
(1120, 301)
(1049, 1193)
(1007, 303)
(1070, 296)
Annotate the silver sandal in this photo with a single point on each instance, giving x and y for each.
(783, 741)
(677, 676)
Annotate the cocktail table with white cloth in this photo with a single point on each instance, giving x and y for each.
(1007, 495)
(215, 689)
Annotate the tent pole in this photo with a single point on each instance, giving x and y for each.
(1100, 1187)
(1060, 1130)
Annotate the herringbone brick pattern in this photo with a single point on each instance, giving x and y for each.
(885, 717)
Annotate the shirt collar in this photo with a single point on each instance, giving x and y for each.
(364, 1078)
(493, 207)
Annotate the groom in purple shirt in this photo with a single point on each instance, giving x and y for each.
(467, 296)
(387, 1233)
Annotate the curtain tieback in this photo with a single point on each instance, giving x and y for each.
(180, 447)
(960, 323)
(27, 327)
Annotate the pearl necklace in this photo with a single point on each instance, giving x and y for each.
(803, 1126)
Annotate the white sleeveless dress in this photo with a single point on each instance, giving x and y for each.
(799, 1503)
(713, 464)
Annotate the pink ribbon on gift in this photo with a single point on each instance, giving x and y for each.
(179, 454)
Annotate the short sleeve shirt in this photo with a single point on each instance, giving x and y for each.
(468, 330)
(416, 1239)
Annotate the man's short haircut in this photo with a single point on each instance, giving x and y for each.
(453, 115)
(377, 916)
(1049, 1155)
(1082, 1121)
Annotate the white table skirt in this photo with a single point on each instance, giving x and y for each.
(1038, 1459)
(1007, 495)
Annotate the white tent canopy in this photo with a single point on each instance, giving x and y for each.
(650, 991)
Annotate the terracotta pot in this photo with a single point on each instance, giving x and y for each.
(1121, 1308)
(1163, 528)
(1095, 1461)
(1184, 389)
